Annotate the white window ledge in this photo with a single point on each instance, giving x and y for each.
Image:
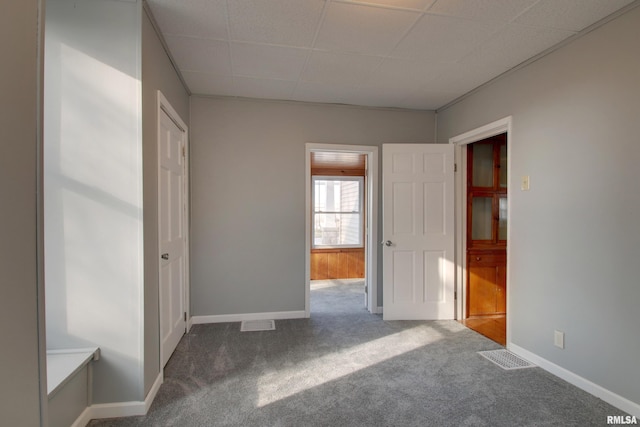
(63, 364)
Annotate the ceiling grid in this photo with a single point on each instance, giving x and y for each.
(416, 54)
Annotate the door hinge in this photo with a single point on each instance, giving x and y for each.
(455, 295)
(185, 316)
(455, 167)
(184, 152)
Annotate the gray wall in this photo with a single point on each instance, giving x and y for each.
(157, 74)
(93, 188)
(19, 379)
(248, 195)
(575, 237)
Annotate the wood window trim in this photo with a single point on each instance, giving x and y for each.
(335, 250)
(337, 172)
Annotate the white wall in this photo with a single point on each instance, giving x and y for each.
(575, 237)
(93, 188)
(248, 194)
(19, 170)
(157, 74)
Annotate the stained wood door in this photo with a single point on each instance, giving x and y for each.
(486, 227)
(418, 231)
(172, 232)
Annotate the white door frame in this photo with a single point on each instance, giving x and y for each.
(478, 134)
(165, 107)
(371, 208)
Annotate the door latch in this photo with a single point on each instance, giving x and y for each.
(164, 256)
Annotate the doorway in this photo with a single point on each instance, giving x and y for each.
(483, 229)
(341, 220)
(486, 219)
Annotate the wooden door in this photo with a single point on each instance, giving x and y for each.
(172, 234)
(487, 227)
(418, 230)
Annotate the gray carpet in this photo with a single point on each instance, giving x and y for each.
(346, 367)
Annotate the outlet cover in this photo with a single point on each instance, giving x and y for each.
(558, 339)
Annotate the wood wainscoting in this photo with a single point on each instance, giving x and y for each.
(337, 263)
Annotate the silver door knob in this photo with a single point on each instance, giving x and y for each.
(164, 256)
(388, 243)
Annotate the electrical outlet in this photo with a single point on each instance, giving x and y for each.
(524, 183)
(558, 339)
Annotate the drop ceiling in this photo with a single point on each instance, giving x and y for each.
(416, 54)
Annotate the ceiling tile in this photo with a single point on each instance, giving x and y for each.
(263, 88)
(460, 81)
(195, 54)
(283, 22)
(515, 44)
(483, 10)
(507, 49)
(443, 39)
(202, 18)
(363, 29)
(376, 96)
(340, 69)
(572, 15)
(404, 4)
(269, 62)
(209, 84)
(321, 92)
(406, 72)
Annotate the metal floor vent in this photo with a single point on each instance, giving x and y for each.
(506, 360)
(257, 325)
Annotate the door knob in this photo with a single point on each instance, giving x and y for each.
(164, 256)
(388, 243)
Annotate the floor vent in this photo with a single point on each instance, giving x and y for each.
(506, 360)
(257, 325)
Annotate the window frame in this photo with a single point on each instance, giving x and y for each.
(360, 180)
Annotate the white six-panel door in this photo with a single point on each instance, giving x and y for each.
(172, 222)
(418, 231)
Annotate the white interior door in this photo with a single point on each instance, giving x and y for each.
(172, 208)
(418, 231)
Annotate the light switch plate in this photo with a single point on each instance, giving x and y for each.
(524, 183)
(558, 339)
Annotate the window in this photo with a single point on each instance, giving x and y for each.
(337, 212)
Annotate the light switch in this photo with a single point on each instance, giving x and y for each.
(524, 183)
(558, 339)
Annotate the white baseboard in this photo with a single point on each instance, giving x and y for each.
(608, 396)
(121, 409)
(83, 419)
(153, 392)
(224, 318)
(117, 410)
